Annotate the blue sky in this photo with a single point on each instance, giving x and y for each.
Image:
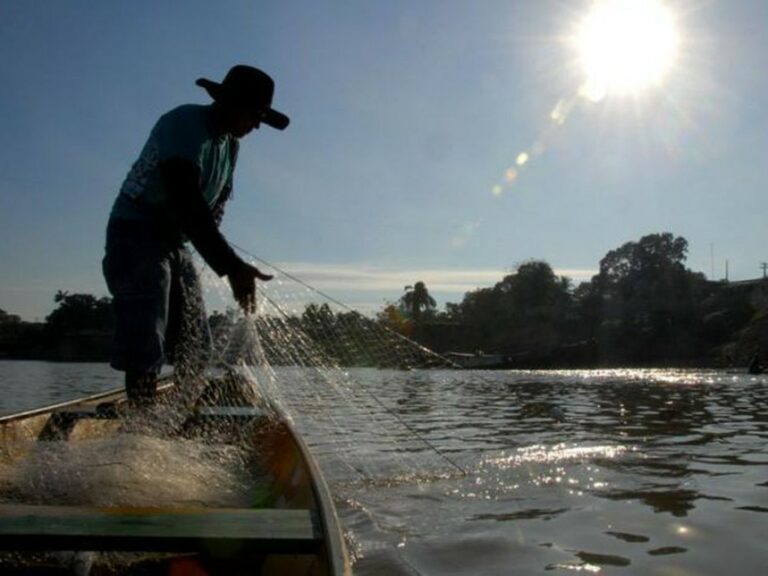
(405, 119)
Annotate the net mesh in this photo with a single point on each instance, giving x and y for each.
(314, 359)
(313, 356)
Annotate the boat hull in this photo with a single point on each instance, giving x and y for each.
(292, 528)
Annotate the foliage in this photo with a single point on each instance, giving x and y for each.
(8, 319)
(644, 307)
(417, 301)
(79, 312)
(18, 339)
(527, 309)
(347, 338)
(650, 304)
(79, 328)
(393, 317)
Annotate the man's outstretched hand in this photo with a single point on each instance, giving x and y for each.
(242, 279)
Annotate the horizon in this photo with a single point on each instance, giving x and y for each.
(443, 141)
(450, 286)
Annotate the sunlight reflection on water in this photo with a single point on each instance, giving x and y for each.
(633, 471)
(560, 452)
(604, 471)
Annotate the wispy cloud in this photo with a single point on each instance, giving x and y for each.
(361, 287)
(357, 277)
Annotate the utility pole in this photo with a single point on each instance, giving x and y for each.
(764, 266)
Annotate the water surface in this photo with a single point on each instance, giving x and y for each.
(603, 472)
(28, 384)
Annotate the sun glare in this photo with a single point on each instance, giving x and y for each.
(625, 46)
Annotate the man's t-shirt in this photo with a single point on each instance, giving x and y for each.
(185, 132)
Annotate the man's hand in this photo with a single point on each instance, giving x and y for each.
(242, 279)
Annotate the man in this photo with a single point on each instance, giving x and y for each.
(174, 192)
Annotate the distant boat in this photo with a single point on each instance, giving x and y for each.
(479, 360)
(293, 529)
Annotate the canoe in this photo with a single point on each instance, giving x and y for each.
(291, 527)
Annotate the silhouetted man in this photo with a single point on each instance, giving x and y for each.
(174, 192)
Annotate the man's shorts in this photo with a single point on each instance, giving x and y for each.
(157, 299)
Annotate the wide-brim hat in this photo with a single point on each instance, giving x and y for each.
(250, 87)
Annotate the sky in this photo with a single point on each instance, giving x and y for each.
(438, 141)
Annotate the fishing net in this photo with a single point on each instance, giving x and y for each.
(315, 359)
(302, 353)
(321, 362)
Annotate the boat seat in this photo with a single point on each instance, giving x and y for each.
(215, 531)
(61, 422)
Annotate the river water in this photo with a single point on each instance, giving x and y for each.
(660, 472)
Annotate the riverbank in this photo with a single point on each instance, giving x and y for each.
(81, 346)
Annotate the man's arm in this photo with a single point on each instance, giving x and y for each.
(181, 178)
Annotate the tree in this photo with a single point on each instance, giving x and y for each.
(587, 310)
(648, 300)
(19, 339)
(480, 315)
(526, 310)
(417, 300)
(6, 318)
(652, 256)
(79, 312)
(536, 304)
(318, 318)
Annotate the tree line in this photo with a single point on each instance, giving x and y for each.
(642, 308)
(79, 328)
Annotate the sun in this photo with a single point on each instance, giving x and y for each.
(625, 46)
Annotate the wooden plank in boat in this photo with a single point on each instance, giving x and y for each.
(213, 530)
(103, 411)
(62, 422)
